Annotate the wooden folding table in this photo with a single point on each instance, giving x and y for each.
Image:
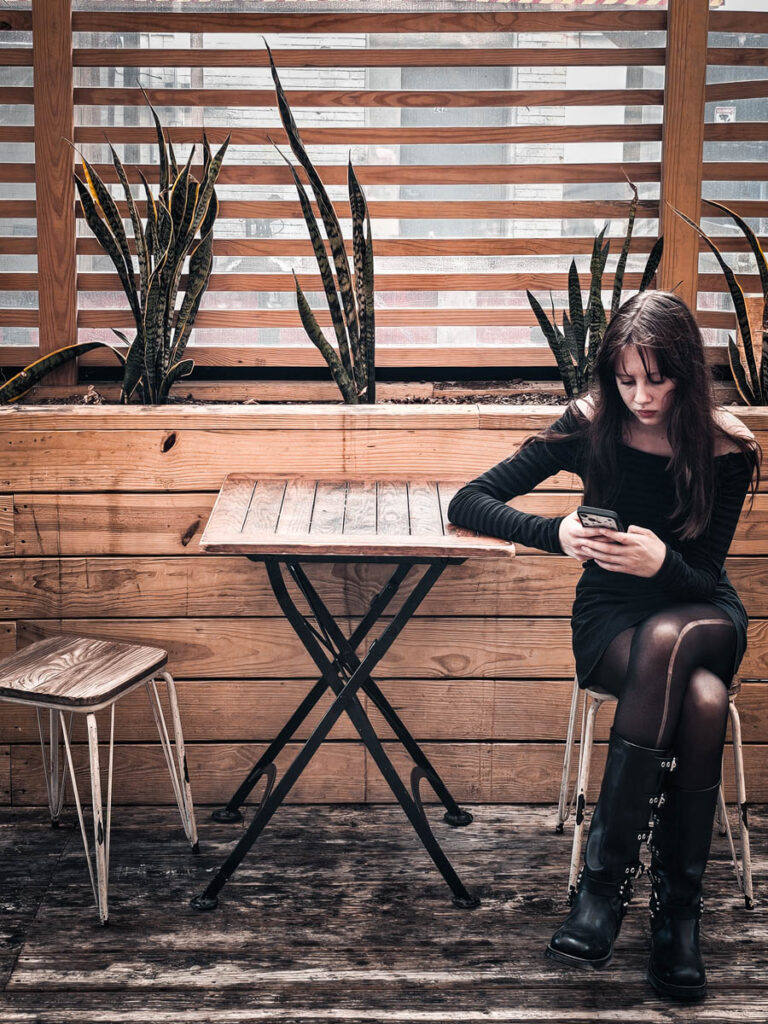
(294, 522)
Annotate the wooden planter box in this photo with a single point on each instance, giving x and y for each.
(101, 510)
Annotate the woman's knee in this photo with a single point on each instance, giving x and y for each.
(706, 696)
(656, 638)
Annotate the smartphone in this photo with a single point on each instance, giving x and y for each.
(604, 517)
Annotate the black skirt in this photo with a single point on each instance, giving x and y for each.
(608, 603)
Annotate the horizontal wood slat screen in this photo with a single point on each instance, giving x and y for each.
(534, 105)
(734, 95)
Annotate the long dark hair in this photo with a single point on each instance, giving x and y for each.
(658, 322)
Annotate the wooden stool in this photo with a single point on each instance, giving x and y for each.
(82, 676)
(593, 701)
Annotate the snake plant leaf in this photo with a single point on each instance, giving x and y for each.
(556, 344)
(327, 211)
(324, 266)
(751, 237)
(764, 358)
(360, 220)
(200, 264)
(125, 340)
(654, 259)
(154, 325)
(164, 230)
(541, 316)
(596, 318)
(206, 153)
(160, 144)
(618, 277)
(138, 230)
(576, 309)
(172, 160)
(177, 206)
(106, 203)
(31, 375)
(210, 218)
(175, 372)
(133, 370)
(739, 376)
(315, 333)
(185, 241)
(570, 338)
(737, 297)
(368, 329)
(107, 241)
(571, 349)
(206, 193)
(150, 232)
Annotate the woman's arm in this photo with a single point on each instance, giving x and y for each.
(481, 504)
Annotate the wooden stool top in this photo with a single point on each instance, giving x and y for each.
(76, 671)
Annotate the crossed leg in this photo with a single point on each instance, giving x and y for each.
(671, 675)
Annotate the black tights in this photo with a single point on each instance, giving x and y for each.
(671, 674)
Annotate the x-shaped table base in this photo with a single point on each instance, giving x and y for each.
(346, 674)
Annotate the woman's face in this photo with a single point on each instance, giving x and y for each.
(648, 396)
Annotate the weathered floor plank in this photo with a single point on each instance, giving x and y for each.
(338, 916)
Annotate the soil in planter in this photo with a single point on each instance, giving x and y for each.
(513, 392)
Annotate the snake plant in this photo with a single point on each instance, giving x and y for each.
(754, 390)
(575, 345)
(350, 303)
(179, 224)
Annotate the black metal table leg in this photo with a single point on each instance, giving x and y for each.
(454, 815)
(412, 806)
(346, 700)
(231, 813)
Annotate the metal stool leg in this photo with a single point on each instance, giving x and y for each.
(177, 767)
(741, 798)
(55, 779)
(101, 829)
(585, 756)
(563, 805)
(721, 814)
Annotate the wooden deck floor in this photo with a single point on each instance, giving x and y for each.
(338, 917)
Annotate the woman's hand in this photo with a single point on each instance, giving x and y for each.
(638, 552)
(574, 537)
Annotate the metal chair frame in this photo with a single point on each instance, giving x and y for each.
(59, 731)
(593, 701)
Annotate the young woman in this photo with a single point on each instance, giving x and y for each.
(656, 621)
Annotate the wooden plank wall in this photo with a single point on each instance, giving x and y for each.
(101, 510)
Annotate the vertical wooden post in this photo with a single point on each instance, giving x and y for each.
(682, 144)
(55, 194)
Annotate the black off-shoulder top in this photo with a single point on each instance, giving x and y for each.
(608, 602)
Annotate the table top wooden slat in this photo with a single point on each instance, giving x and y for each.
(264, 509)
(298, 502)
(392, 518)
(328, 511)
(361, 518)
(424, 508)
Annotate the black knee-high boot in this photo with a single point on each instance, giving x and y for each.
(633, 779)
(680, 850)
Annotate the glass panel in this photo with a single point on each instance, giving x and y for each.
(18, 336)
